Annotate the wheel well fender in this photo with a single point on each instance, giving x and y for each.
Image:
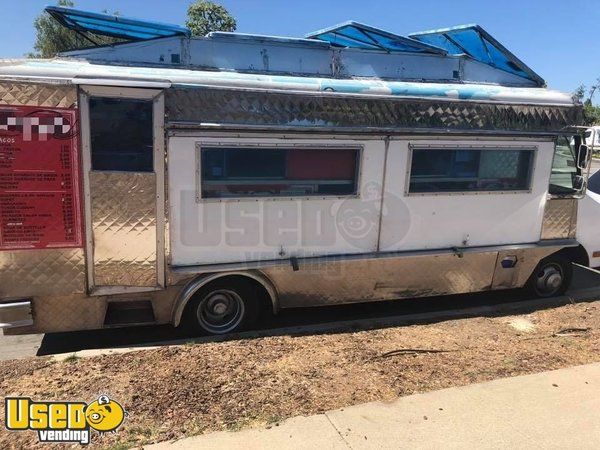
(577, 255)
(188, 291)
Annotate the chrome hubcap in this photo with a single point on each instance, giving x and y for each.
(549, 279)
(220, 311)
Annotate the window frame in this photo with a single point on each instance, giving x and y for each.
(573, 150)
(200, 145)
(150, 91)
(487, 147)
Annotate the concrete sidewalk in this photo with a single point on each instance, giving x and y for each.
(558, 409)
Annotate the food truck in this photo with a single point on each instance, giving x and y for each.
(201, 180)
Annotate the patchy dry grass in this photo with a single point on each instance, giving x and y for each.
(172, 392)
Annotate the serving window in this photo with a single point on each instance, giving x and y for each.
(446, 170)
(229, 172)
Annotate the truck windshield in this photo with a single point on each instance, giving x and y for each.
(564, 167)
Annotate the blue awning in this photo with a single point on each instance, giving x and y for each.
(477, 43)
(114, 26)
(357, 35)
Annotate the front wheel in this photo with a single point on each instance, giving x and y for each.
(223, 307)
(551, 277)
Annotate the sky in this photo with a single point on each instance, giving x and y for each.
(559, 39)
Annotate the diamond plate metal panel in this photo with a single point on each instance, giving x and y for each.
(324, 111)
(67, 313)
(124, 228)
(526, 259)
(54, 313)
(36, 94)
(41, 272)
(162, 303)
(560, 219)
(337, 282)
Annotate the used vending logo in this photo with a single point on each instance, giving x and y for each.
(64, 421)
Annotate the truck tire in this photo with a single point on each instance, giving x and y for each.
(551, 277)
(223, 306)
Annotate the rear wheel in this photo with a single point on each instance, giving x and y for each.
(551, 277)
(222, 307)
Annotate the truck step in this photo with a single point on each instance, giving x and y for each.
(129, 312)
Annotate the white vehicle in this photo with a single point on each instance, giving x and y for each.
(592, 138)
(172, 179)
(588, 229)
(588, 222)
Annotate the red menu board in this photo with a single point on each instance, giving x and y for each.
(39, 178)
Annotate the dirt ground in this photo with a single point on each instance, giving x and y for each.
(173, 392)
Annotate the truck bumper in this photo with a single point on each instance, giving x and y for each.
(15, 313)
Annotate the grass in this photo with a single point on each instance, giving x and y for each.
(120, 446)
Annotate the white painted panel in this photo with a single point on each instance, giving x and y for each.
(229, 54)
(398, 66)
(588, 231)
(253, 229)
(474, 71)
(447, 220)
(154, 51)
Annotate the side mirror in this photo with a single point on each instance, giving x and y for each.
(583, 156)
(579, 183)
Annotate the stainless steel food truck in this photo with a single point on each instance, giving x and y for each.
(183, 180)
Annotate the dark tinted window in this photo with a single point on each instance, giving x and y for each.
(121, 134)
(458, 170)
(272, 172)
(564, 167)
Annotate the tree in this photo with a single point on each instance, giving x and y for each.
(593, 89)
(591, 113)
(579, 93)
(53, 38)
(205, 16)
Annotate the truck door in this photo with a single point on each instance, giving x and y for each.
(123, 163)
(567, 186)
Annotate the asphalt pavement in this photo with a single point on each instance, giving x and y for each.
(595, 166)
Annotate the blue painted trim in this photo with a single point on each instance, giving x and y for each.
(114, 26)
(519, 69)
(66, 69)
(375, 33)
(266, 38)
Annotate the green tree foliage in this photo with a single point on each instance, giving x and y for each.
(52, 38)
(579, 93)
(591, 113)
(205, 16)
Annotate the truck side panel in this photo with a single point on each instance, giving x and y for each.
(467, 218)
